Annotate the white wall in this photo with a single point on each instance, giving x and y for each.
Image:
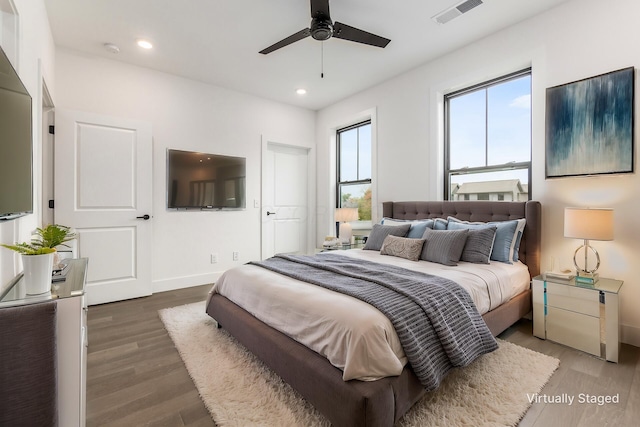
(36, 61)
(187, 115)
(571, 42)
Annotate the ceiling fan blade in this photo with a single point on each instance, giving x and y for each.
(286, 42)
(345, 32)
(319, 8)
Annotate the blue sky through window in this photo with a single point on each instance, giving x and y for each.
(499, 113)
(355, 154)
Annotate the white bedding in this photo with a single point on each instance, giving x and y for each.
(353, 335)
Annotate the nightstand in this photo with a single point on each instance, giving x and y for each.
(339, 248)
(585, 317)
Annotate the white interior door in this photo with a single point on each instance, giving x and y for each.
(103, 191)
(285, 204)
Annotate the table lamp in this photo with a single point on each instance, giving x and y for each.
(588, 224)
(344, 216)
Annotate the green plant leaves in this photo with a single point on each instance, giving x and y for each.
(44, 241)
(52, 236)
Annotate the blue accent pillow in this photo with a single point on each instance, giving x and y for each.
(516, 247)
(505, 240)
(440, 224)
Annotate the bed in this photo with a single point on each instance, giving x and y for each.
(383, 401)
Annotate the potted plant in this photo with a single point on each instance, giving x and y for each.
(37, 256)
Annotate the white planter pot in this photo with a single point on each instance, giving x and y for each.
(37, 273)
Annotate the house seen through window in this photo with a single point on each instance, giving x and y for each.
(488, 140)
(354, 169)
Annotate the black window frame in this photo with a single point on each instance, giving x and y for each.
(340, 183)
(488, 168)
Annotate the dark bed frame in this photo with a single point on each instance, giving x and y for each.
(381, 402)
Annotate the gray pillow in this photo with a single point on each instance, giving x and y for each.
(403, 247)
(443, 246)
(506, 235)
(417, 226)
(380, 232)
(479, 243)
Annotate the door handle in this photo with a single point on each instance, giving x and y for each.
(270, 213)
(145, 217)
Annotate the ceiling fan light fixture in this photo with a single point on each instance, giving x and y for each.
(321, 29)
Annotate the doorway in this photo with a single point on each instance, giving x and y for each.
(285, 214)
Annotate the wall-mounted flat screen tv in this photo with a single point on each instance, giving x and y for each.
(205, 181)
(16, 144)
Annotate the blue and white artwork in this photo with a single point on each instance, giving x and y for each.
(589, 126)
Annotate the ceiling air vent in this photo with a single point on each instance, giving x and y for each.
(455, 11)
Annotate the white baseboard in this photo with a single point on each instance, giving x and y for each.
(185, 281)
(630, 335)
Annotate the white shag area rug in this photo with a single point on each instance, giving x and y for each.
(238, 390)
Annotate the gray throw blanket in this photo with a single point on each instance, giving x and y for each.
(435, 318)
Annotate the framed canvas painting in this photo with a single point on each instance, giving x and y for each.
(589, 126)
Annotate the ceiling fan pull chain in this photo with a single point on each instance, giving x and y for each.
(322, 60)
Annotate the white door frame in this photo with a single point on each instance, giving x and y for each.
(47, 185)
(311, 189)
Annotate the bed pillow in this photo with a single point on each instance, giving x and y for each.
(417, 225)
(403, 247)
(443, 246)
(477, 248)
(380, 232)
(440, 224)
(505, 238)
(519, 233)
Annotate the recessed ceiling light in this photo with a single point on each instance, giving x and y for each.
(145, 44)
(301, 91)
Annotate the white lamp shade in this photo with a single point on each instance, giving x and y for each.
(588, 224)
(346, 214)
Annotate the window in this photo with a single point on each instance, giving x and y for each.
(9, 30)
(354, 169)
(488, 140)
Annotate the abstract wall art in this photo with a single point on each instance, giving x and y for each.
(589, 126)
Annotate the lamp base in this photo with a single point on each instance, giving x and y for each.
(586, 278)
(587, 274)
(585, 270)
(345, 233)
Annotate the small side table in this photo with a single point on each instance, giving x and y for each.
(585, 317)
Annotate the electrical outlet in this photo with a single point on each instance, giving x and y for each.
(214, 258)
(236, 255)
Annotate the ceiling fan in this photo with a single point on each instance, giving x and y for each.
(322, 28)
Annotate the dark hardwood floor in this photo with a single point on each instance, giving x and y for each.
(136, 376)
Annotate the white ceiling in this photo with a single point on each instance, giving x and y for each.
(217, 41)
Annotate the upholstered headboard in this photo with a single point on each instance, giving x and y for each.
(480, 211)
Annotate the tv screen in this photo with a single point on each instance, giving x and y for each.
(205, 181)
(16, 142)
